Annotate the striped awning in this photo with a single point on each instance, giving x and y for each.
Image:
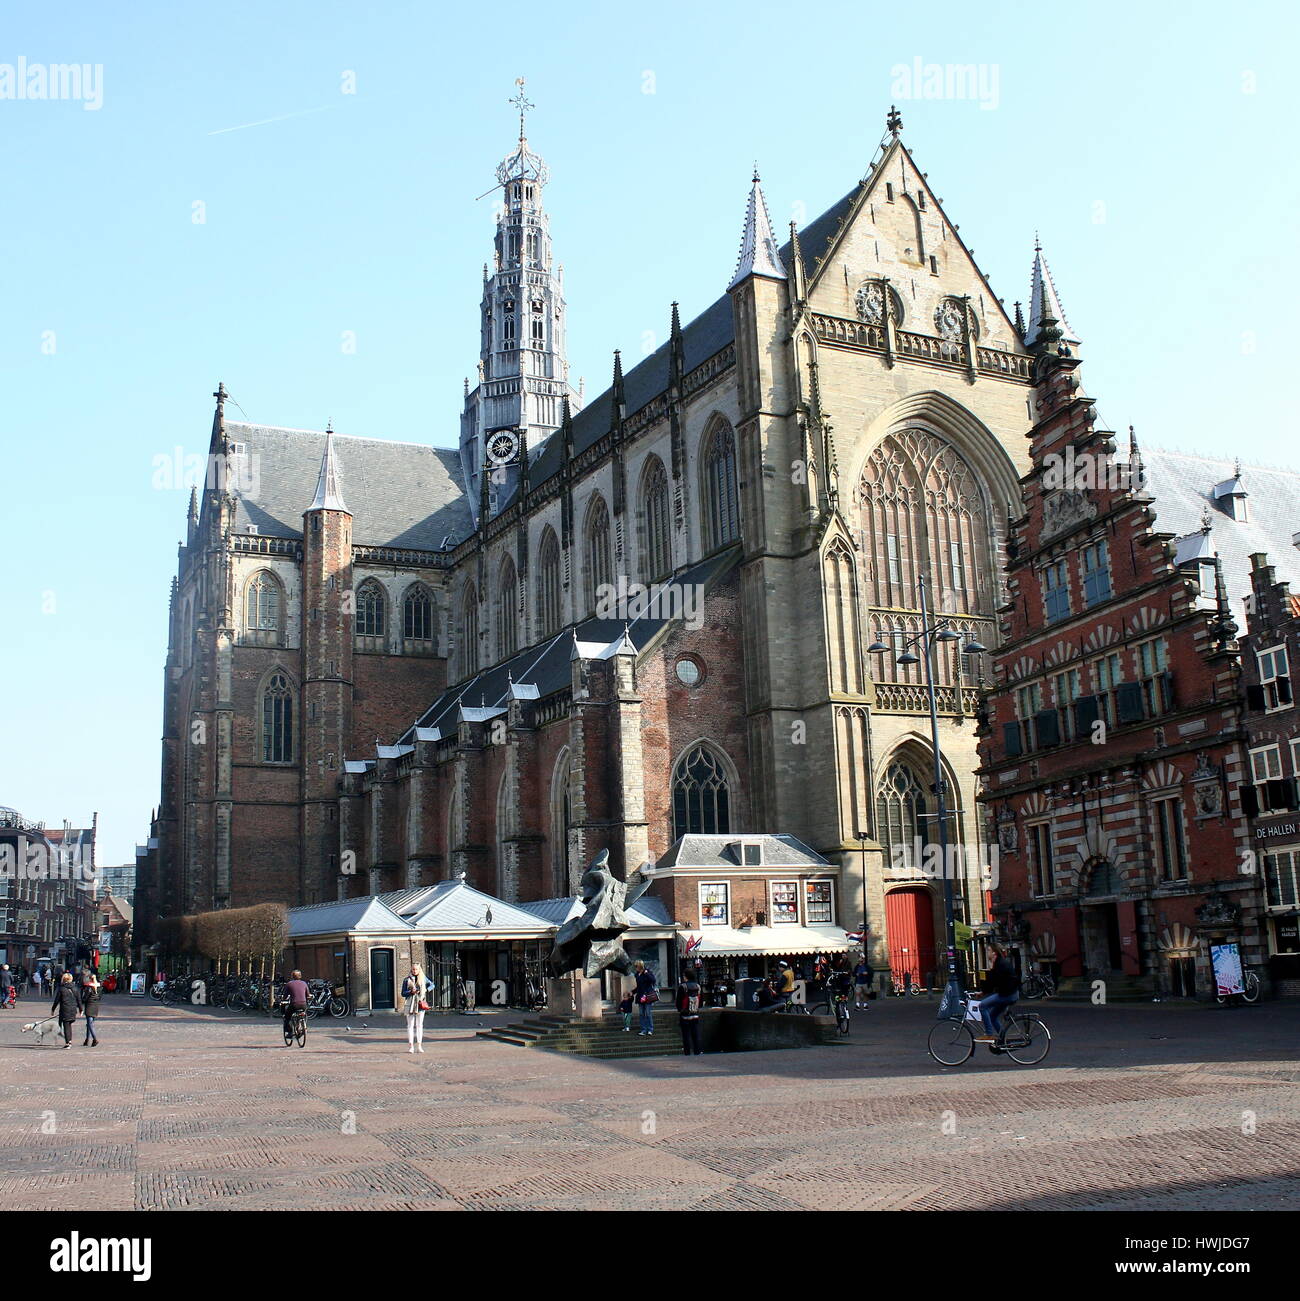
(769, 941)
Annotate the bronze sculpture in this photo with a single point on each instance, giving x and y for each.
(593, 939)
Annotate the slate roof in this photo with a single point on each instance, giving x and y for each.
(365, 914)
(723, 851)
(546, 665)
(711, 331)
(647, 912)
(1182, 485)
(400, 494)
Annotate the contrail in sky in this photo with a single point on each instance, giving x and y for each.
(282, 118)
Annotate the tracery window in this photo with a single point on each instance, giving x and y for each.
(900, 816)
(469, 632)
(721, 497)
(656, 519)
(597, 550)
(417, 614)
(701, 795)
(277, 719)
(507, 624)
(549, 605)
(262, 603)
(371, 609)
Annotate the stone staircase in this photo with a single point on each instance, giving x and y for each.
(1119, 989)
(604, 1038)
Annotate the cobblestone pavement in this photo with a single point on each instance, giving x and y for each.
(1137, 1108)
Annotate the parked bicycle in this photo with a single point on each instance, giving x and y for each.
(323, 999)
(1037, 985)
(1249, 992)
(833, 1002)
(1023, 1037)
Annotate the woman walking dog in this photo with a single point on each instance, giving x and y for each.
(66, 1006)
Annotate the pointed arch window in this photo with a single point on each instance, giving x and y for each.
(597, 550)
(263, 608)
(561, 824)
(371, 609)
(277, 719)
(417, 615)
(656, 518)
(548, 586)
(701, 795)
(900, 816)
(507, 629)
(721, 497)
(469, 632)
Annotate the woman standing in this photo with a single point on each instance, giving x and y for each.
(415, 991)
(646, 997)
(90, 992)
(65, 1006)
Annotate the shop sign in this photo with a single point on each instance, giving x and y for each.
(1226, 961)
(1275, 830)
(1287, 930)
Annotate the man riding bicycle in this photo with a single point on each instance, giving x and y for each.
(1002, 987)
(293, 998)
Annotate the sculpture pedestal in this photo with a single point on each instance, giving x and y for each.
(574, 995)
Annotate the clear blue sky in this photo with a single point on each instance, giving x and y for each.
(1149, 144)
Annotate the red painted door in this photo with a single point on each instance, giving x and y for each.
(1130, 958)
(909, 925)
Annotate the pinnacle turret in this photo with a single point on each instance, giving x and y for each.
(758, 252)
(1044, 302)
(329, 487)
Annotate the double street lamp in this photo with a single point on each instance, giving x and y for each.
(932, 632)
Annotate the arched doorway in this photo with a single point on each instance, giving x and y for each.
(909, 923)
(1099, 920)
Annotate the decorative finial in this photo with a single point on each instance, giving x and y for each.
(1207, 520)
(753, 180)
(221, 395)
(329, 426)
(1038, 245)
(1236, 468)
(894, 122)
(522, 104)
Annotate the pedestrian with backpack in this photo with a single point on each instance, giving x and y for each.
(688, 1011)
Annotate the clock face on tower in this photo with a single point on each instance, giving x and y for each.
(503, 446)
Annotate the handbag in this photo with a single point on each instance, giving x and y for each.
(424, 1005)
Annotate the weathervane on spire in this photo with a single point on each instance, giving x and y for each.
(894, 122)
(522, 104)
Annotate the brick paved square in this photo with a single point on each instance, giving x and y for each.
(1140, 1107)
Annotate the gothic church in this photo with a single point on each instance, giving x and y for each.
(390, 664)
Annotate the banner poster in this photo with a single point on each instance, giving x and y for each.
(137, 984)
(1226, 960)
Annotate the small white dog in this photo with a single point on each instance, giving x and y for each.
(41, 1028)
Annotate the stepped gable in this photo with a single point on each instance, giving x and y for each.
(399, 494)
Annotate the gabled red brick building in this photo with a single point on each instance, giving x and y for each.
(1111, 751)
(1270, 652)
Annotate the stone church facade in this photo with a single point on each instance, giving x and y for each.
(390, 663)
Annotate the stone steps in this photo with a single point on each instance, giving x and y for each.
(603, 1038)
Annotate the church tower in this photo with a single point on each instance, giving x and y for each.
(523, 376)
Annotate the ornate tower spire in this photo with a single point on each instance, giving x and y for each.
(1044, 301)
(523, 371)
(758, 253)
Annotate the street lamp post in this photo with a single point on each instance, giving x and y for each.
(931, 633)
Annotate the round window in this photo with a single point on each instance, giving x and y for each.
(688, 672)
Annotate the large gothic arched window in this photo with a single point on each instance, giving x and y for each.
(925, 513)
(721, 496)
(417, 614)
(277, 719)
(549, 594)
(263, 607)
(701, 795)
(372, 609)
(507, 629)
(900, 816)
(656, 519)
(596, 551)
(469, 631)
